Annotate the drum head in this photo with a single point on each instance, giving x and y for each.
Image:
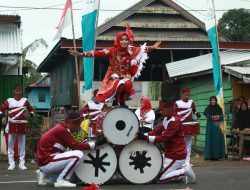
(99, 165)
(140, 162)
(120, 125)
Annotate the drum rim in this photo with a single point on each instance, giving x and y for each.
(116, 107)
(110, 145)
(157, 173)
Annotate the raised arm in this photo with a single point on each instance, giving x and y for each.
(155, 46)
(95, 53)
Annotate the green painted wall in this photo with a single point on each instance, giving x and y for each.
(7, 83)
(201, 89)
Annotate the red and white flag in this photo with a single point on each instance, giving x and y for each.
(64, 21)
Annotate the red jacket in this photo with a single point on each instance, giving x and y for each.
(56, 140)
(171, 134)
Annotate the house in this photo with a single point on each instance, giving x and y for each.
(11, 45)
(39, 95)
(10, 59)
(10, 55)
(196, 74)
(182, 36)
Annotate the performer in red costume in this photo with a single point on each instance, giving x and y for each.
(92, 110)
(185, 108)
(171, 134)
(54, 161)
(125, 64)
(17, 125)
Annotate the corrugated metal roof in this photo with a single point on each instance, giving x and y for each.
(10, 38)
(181, 69)
(238, 69)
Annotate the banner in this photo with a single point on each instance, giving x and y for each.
(89, 24)
(211, 29)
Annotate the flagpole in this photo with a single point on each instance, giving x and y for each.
(223, 107)
(97, 17)
(76, 62)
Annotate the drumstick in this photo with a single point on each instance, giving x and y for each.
(129, 131)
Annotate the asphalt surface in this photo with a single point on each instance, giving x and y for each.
(223, 175)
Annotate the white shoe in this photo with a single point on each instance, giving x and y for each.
(11, 167)
(64, 183)
(22, 167)
(190, 173)
(41, 180)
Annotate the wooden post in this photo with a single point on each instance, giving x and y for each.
(76, 62)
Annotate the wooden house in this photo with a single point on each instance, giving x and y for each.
(39, 95)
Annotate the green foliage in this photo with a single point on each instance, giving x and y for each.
(35, 121)
(235, 25)
(33, 76)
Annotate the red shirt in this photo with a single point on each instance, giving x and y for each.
(56, 140)
(171, 134)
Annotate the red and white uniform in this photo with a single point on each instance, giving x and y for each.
(16, 109)
(16, 113)
(171, 134)
(93, 110)
(185, 109)
(51, 155)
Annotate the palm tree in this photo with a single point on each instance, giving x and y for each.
(32, 75)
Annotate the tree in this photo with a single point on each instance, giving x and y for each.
(235, 25)
(32, 75)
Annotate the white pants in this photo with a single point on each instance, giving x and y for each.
(188, 140)
(21, 145)
(172, 169)
(63, 165)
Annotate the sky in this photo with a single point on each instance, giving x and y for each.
(41, 23)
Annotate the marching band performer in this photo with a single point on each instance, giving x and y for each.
(171, 134)
(125, 64)
(146, 115)
(91, 111)
(57, 164)
(184, 108)
(17, 125)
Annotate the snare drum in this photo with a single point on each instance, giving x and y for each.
(18, 126)
(119, 125)
(99, 165)
(191, 128)
(140, 162)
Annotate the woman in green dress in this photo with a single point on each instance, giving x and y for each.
(214, 141)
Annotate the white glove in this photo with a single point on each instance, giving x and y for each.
(85, 115)
(114, 76)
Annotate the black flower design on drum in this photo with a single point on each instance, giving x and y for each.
(97, 161)
(140, 161)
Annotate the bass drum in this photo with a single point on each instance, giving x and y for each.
(99, 165)
(140, 162)
(119, 125)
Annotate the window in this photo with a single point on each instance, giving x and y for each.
(41, 96)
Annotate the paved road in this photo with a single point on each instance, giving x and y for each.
(215, 178)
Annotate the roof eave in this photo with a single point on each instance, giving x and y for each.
(41, 67)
